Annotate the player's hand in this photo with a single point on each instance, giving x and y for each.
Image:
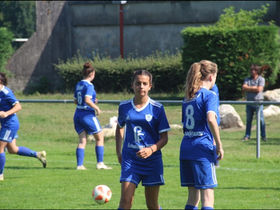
(3, 114)
(98, 111)
(144, 152)
(96, 101)
(220, 153)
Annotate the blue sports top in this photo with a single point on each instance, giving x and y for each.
(84, 88)
(216, 90)
(197, 143)
(143, 127)
(7, 102)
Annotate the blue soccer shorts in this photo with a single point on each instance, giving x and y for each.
(8, 134)
(128, 174)
(85, 121)
(198, 174)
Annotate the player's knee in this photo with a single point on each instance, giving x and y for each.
(12, 150)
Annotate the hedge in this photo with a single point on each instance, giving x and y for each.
(114, 75)
(234, 50)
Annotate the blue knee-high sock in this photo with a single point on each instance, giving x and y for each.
(80, 154)
(99, 152)
(24, 151)
(188, 207)
(207, 208)
(2, 162)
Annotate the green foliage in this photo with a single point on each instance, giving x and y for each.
(234, 49)
(230, 19)
(115, 75)
(19, 17)
(6, 49)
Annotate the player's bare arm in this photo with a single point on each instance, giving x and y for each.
(119, 137)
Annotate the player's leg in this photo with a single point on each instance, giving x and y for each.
(3, 144)
(99, 151)
(24, 151)
(93, 127)
(99, 146)
(207, 198)
(151, 194)
(206, 181)
(80, 151)
(152, 183)
(187, 174)
(193, 198)
(127, 195)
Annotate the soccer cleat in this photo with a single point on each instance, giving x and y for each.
(246, 138)
(101, 165)
(264, 138)
(42, 157)
(81, 167)
(1, 177)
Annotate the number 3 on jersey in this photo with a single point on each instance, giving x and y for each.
(189, 117)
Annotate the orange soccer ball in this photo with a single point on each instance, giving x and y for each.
(101, 194)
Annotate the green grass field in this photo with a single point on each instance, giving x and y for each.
(244, 181)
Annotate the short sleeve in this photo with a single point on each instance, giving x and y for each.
(121, 117)
(211, 103)
(11, 98)
(163, 122)
(261, 82)
(89, 91)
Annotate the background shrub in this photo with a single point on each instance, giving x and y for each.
(115, 75)
(234, 43)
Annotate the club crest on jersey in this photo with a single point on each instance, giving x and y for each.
(148, 117)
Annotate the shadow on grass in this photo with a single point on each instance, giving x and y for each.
(32, 168)
(250, 188)
(269, 141)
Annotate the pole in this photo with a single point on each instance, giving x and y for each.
(258, 149)
(121, 30)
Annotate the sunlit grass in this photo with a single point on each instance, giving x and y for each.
(245, 182)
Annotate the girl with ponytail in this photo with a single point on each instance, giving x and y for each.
(201, 146)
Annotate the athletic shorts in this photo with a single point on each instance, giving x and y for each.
(198, 174)
(151, 179)
(8, 134)
(86, 121)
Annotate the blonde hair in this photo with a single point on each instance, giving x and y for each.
(196, 74)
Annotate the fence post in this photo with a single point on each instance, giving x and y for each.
(258, 131)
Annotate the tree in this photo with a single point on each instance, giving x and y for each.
(19, 17)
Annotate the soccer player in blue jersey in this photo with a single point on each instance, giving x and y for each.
(9, 105)
(143, 126)
(197, 151)
(85, 120)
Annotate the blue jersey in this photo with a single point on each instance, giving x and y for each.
(84, 88)
(197, 143)
(7, 101)
(216, 90)
(143, 128)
